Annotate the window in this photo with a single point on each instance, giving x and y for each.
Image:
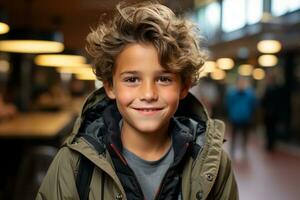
(254, 11)
(233, 15)
(209, 18)
(238, 13)
(280, 7)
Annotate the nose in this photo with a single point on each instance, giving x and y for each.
(149, 91)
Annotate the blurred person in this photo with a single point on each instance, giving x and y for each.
(7, 110)
(273, 110)
(240, 104)
(77, 88)
(132, 141)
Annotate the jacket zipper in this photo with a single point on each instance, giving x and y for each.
(162, 184)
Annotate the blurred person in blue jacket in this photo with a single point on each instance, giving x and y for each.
(240, 104)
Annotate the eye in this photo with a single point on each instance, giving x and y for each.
(164, 80)
(131, 80)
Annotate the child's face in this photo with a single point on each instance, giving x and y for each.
(147, 95)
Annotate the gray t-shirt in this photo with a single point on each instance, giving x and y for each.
(149, 173)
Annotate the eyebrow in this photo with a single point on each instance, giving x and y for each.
(129, 72)
(138, 72)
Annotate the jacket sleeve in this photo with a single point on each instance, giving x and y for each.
(59, 182)
(225, 187)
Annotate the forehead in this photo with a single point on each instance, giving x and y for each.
(138, 57)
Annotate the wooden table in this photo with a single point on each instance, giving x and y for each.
(41, 125)
(21, 137)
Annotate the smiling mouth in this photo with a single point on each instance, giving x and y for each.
(148, 109)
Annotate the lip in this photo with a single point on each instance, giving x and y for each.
(148, 110)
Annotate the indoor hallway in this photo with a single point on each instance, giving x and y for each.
(267, 176)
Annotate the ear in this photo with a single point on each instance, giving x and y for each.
(108, 87)
(184, 90)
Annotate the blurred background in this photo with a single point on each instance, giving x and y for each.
(251, 81)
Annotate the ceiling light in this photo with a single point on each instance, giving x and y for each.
(60, 60)
(4, 28)
(267, 60)
(245, 70)
(209, 66)
(86, 77)
(269, 46)
(75, 70)
(28, 41)
(31, 46)
(225, 63)
(258, 74)
(218, 74)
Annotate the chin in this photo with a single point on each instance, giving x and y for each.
(150, 127)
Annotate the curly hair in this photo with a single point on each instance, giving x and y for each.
(176, 40)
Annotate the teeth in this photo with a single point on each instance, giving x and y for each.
(148, 110)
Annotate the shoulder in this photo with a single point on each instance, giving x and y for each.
(59, 182)
(225, 165)
(64, 164)
(67, 157)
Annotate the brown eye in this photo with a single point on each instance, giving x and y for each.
(131, 79)
(164, 80)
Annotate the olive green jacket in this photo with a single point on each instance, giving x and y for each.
(208, 176)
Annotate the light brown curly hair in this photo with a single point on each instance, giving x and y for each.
(176, 40)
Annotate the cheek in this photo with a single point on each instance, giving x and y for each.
(172, 97)
(124, 97)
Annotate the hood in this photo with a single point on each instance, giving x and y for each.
(190, 116)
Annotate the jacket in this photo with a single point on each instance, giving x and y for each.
(240, 105)
(202, 170)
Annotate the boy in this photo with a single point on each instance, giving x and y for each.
(144, 136)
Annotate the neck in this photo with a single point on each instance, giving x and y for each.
(148, 146)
